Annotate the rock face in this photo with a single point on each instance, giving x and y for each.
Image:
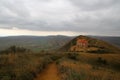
(81, 44)
(88, 44)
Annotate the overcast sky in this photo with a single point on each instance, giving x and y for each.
(59, 17)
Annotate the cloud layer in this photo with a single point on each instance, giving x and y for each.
(80, 16)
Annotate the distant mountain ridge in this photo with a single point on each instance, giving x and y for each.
(37, 43)
(111, 39)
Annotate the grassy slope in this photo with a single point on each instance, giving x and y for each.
(83, 66)
(92, 42)
(22, 66)
(87, 67)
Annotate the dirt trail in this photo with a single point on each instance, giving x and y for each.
(50, 73)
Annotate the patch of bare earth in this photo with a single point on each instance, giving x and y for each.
(50, 73)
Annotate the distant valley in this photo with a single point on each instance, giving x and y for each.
(37, 43)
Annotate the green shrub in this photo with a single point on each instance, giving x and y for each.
(26, 76)
(22, 66)
(73, 56)
(99, 51)
(102, 61)
(14, 49)
(57, 62)
(6, 78)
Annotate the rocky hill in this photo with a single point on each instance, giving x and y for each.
(89, 44)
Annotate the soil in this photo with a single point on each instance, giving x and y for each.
(49, 73)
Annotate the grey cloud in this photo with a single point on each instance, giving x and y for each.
(97, 16)
(94, 4)
(16, 7)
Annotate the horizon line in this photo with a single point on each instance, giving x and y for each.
(56, 35)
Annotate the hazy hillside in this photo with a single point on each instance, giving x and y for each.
(45, 42)
(33, 42)
(113, 40)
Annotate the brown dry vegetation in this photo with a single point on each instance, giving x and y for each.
(88, 66)
(22, 66)
(70, 65)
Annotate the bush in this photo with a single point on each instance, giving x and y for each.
(14, 49)
(101, 61)
(57, 62)
(22, 66)
(7, 76)
(26, 76)
(99, 51)
(55, 57)
(73, 56)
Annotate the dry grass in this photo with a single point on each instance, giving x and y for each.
(86, 67)
(22, 66)
(77, 66)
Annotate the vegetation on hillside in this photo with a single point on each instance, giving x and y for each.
(89, 67)
(14, 49)
(19, 63)
(22, 66)
(94, 46)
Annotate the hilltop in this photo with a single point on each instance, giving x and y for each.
(89, 44)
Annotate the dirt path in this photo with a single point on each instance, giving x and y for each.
(50, 73)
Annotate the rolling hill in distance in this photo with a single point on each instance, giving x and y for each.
(111, 39)
(34, 43)
(37, 43)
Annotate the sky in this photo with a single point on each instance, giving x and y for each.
(59, 17)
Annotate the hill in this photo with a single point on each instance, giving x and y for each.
(89, 44)
(35, 43)
(111, 39)
(38, 43)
